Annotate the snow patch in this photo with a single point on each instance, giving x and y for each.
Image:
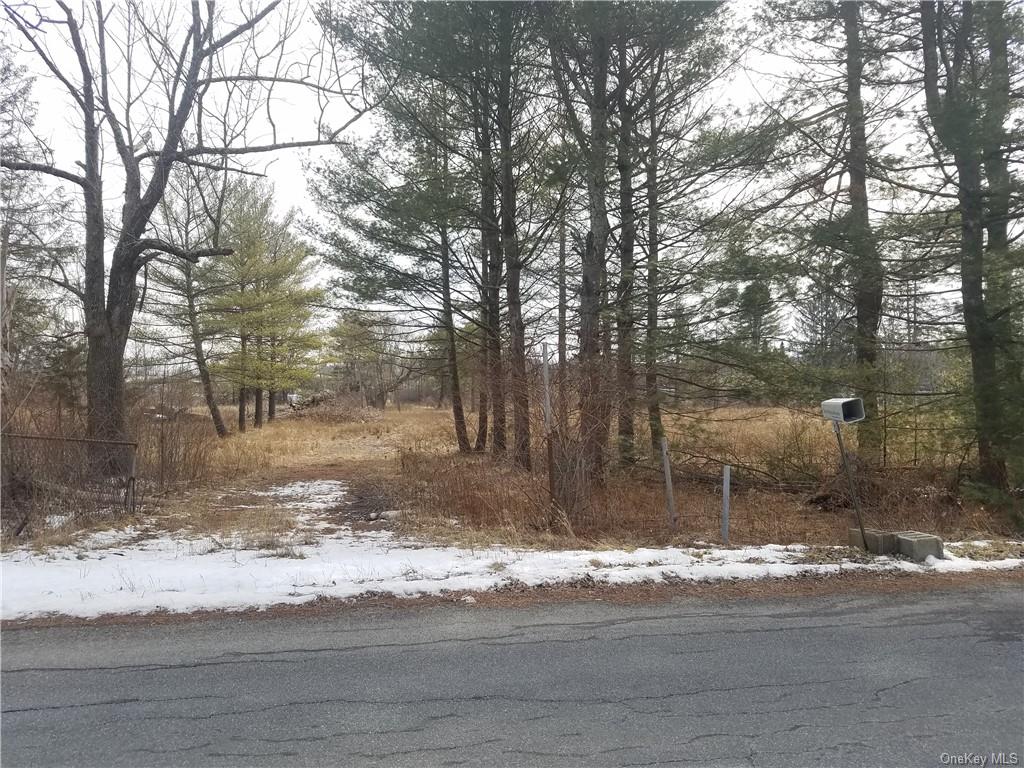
(181, 575)
(308, 494)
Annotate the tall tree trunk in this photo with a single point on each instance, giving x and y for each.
(243, 397)
(510, 244)
(593, 421)
(104, 368)
(483, 405)
(495, 357)
(866, 262)
(997, 104)
(491, 235)
(257, 408)
(980, 338)
(592, 141)
(104, 377)
(8, 296)
(449, 327)
(257, 400)
(563, 399)
(947, 114)
(104, 371)
(608, 383)
(272, 350)
(484, 353)
(653, 286)
(627, 237)
(1000, 291)
(199, 354)
(108, 320)
(243, 392)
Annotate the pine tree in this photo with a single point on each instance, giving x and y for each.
(368, 346)
(265, 305)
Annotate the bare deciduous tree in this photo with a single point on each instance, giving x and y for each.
(139, 77)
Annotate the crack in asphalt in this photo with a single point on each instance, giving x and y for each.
(421, 750)
(580, 700)
(515, 638)
(748, 684)
(110, 703)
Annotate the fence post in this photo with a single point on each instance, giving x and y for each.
(726, 489)
(130, 483)
(670, 498)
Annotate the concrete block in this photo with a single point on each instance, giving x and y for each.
(879, 542)
(855, 540)
(882, 542)
(918, 546)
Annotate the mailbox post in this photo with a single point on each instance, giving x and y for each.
(846, 410)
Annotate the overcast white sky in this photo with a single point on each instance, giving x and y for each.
(294, 110)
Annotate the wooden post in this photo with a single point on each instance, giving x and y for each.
(548, 424)
(162, 416)
(129, 487)
(670, 499)
(853, 488)
(726, 488)
(547, 390)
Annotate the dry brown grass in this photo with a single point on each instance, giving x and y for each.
(989, 550)
(43, 538)
(230, 525)
(778, 442)
(408, 457)
(288, 449)
(205, 515)
(301, 442)
(471, 500)
(406, 460)
(199, 467)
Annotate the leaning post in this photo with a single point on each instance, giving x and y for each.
(548, 419)
(847, 410)
(726, 489)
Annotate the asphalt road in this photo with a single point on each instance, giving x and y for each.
(843, 680)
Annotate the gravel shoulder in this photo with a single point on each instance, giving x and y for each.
(894, 584)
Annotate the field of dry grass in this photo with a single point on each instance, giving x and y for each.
(779, 443)
(473, 501)
(190, 479)
(365, 452)
(781, 458)
(406, 460)
(290, 442)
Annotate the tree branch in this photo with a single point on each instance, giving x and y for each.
(158, 247)
(17, 165)
(184, 154)
(241, 28)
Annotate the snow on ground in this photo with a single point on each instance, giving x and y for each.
(104, 574)
(308, 494)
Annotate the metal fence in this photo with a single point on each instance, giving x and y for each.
(48, 480)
